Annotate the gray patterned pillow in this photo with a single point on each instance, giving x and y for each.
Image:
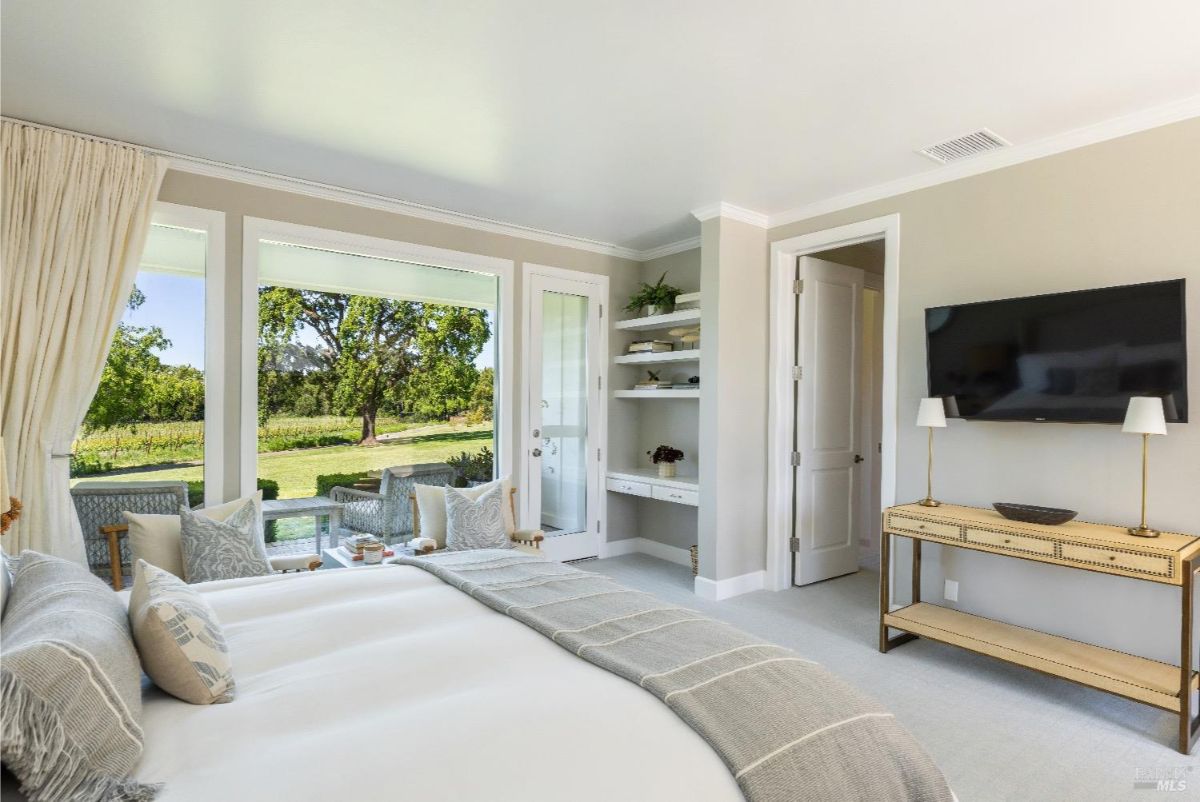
(475, 523)
(182, 647)
(70, 686)
(229, 549)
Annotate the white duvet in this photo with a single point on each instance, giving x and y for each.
(383, 683)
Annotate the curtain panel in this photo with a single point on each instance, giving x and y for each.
(75, 217)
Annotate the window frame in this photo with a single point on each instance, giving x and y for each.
(256, 229)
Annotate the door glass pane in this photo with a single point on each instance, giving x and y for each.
(564, 413)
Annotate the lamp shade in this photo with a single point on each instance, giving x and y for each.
(932, 413)
(1145, 416)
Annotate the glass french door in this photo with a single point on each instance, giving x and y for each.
(563, 417)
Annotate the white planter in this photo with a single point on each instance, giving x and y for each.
(666, 470)
(652, 310)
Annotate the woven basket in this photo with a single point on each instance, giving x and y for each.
(695, 551)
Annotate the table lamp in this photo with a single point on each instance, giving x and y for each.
(932, 415)
(1145, 417)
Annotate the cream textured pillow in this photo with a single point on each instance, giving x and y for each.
(155, 538)
(229, 549)
(475, 523)
(179, 638)
(431, 506)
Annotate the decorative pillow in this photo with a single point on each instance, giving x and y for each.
(71, 686)
(475, 523)
(155, 538)
(228, 549)
(431, 506)
(5, 581)
(179, 638)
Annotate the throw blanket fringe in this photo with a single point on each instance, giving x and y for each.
(786, 728)
(54, 765)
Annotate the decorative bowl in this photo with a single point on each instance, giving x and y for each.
(1030, 514)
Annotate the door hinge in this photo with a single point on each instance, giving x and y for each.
(797, 373)
(597, 526)
(796, 459)
(601, 310)
(597, 455)
(798, 286)
(600, 382)
(794, 544)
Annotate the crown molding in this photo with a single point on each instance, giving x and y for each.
(731, 212)
(691, 243)
(1069, 140)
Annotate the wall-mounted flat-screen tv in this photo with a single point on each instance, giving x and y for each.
(1073, 357)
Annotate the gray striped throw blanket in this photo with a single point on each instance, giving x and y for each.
(786, 728)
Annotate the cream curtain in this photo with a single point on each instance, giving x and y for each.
(75, 217)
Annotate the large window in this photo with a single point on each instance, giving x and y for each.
(365, 363)
(153, 409)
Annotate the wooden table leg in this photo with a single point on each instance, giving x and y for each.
(885, 557)
(916, 571)
(1187, 733)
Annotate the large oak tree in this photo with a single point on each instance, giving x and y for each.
(377, 352)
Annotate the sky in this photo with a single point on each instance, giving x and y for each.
(176, 305)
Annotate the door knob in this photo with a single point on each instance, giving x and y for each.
(858, 458)
(537, 452)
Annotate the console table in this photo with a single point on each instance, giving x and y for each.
(1170, 559)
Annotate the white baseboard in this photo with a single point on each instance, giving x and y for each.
(642, 545)
(728, 588)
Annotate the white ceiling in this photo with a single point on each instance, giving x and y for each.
(607, 120)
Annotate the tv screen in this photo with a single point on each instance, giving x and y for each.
(1073, 357)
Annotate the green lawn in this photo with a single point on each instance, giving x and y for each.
(297, 471)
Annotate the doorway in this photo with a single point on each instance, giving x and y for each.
(563, 410)
(832, 403)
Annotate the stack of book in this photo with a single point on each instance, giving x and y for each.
(353, 546)
(650, 384)
(651, 346)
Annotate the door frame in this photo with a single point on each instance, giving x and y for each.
(597, 394)
(782, 357)
(873, 282)
(256, 229)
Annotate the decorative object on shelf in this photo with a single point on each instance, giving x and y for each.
(650, 346)
(652, 383)
(656, 299)
(695, 552)
(932, 415)
(665, 458)
(1032, 514)
(1145, 416)
(689, 337)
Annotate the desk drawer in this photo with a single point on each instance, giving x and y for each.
(901, 523)
(1011, 542)
(678, 496)
(626, 486)
(1151, 564)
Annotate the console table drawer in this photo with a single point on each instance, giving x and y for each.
(626, 486)
(678, 496)
(901, 523)
(1011, 542)
(1151, 564)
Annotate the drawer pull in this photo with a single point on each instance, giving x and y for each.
(1112, 556)
(920, 526)
(1008, 540)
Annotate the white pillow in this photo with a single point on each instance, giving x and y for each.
(155, 538)
(431, 506)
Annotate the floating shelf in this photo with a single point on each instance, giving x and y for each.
(659, 321)
(651, 358)
(657, 394)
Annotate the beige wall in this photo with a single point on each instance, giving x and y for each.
(1117, 212)
(242, 200)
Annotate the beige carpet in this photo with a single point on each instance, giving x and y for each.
(998, 732)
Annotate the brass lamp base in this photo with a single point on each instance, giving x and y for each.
(1143, 531)
(928, 502)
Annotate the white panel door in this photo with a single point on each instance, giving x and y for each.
(828, 421)
(561, 476)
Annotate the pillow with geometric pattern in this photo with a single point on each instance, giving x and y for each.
(229, 549)
(178, 637)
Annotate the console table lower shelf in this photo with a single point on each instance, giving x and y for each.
(1170, 559)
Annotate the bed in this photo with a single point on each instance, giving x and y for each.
(388, 682)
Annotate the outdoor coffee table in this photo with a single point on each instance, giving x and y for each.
(317, 507)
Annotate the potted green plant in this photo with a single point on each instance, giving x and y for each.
(655, 299)
(665, 458)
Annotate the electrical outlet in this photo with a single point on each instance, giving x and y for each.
(951, 592)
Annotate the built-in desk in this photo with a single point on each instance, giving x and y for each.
(1170, 559)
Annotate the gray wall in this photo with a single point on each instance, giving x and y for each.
(1117, 212)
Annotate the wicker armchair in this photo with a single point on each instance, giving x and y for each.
(100, 504)
(388, 513)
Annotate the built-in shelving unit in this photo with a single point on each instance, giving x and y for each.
(659, 358)
(657, 394)
(653, 322)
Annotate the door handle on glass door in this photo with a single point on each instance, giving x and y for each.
(537, 452)
(858, 458)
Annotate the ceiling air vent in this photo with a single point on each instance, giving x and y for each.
(963, 147)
